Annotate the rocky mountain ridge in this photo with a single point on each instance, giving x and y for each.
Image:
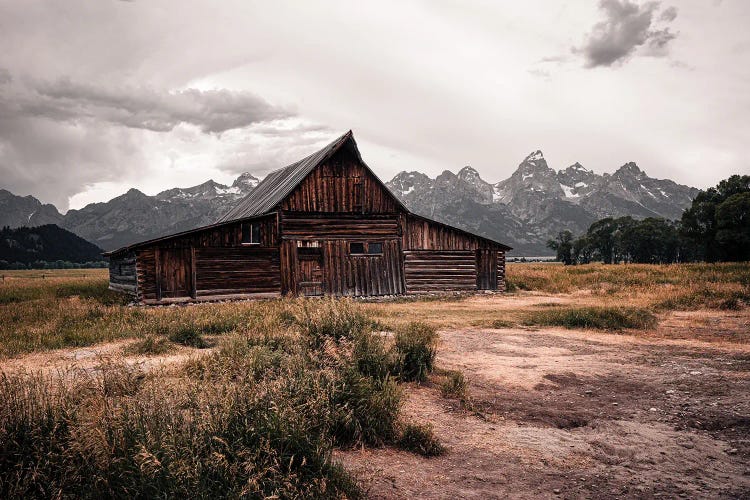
(524, 210)
(536, 201)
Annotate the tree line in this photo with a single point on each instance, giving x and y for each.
(715, 228)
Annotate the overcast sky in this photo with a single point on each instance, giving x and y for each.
(100, 96)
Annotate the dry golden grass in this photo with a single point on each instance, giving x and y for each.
(654, 288)
(67, 310)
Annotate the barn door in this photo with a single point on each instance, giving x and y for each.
(310, 265)
(486, 270)
(175, 274)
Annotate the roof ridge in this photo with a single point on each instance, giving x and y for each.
(277, 185)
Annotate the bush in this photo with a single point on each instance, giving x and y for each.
(188, 335)
(420, 439)
(416, 345)
(365, 410)
(330, 319)
(149, 345)
(601, 318)
(453, 385)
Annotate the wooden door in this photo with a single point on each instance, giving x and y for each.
(486, 270)
(175, 273)
(310, 269)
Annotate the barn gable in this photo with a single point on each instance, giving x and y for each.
(321, 182)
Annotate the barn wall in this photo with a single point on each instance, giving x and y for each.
(211, 263)
(363, 275)
(122, 274)
(226, 271)
(422, 234)
(436, 271)
(501, 271)
(487, 267)
(333, 187)
(343, 274)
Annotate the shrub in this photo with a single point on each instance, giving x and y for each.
(453, 385)
(602, 318)
(188, 335)
(416, 345)
(501, 323)
(420, 439)
(365, 410)
(149, 345)
(200, 440)
(330, 318)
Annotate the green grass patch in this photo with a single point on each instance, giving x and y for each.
(600, 318)
(420, 439)
(151, 345)
(453, 384)
(415, 347)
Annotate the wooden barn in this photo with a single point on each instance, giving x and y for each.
(325, 225)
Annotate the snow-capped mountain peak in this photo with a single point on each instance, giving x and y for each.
(534, 156)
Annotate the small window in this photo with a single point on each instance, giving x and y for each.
(250, 233)
(356, 248)
(374, 248)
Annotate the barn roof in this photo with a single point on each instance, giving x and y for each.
(280, 183)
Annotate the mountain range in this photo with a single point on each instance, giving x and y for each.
(525, 210)
(536, 201)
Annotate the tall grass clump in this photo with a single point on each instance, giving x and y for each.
(330, 319)
(601, 318)
(81, 438)
(415, 347)
(420, 438)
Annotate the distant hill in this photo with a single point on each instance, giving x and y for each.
(46, 243)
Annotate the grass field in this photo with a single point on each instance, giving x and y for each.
(270, 389)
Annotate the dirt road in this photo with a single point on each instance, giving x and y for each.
(582, 414)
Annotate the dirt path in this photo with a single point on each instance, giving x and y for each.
(91, 357)
(572, 414)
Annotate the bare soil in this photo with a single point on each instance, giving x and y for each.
(580, 414)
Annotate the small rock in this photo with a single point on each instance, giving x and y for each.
(687, 445)
(588, 393)
(696, 373)
(732, 451)
(556, 491)
(670, 391)
(652, 409)
(614, 404)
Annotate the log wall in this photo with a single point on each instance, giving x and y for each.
(436, 271)
(423, 234)
(210, 263)
(243, 270)
(501, 271)
(122, 273)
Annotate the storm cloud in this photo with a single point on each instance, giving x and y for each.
(627, 27)
(93, 133)
(147, 108)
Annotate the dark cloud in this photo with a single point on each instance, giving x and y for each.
(141, 107)
(669, 14)
(627, 26)
(58, 137)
